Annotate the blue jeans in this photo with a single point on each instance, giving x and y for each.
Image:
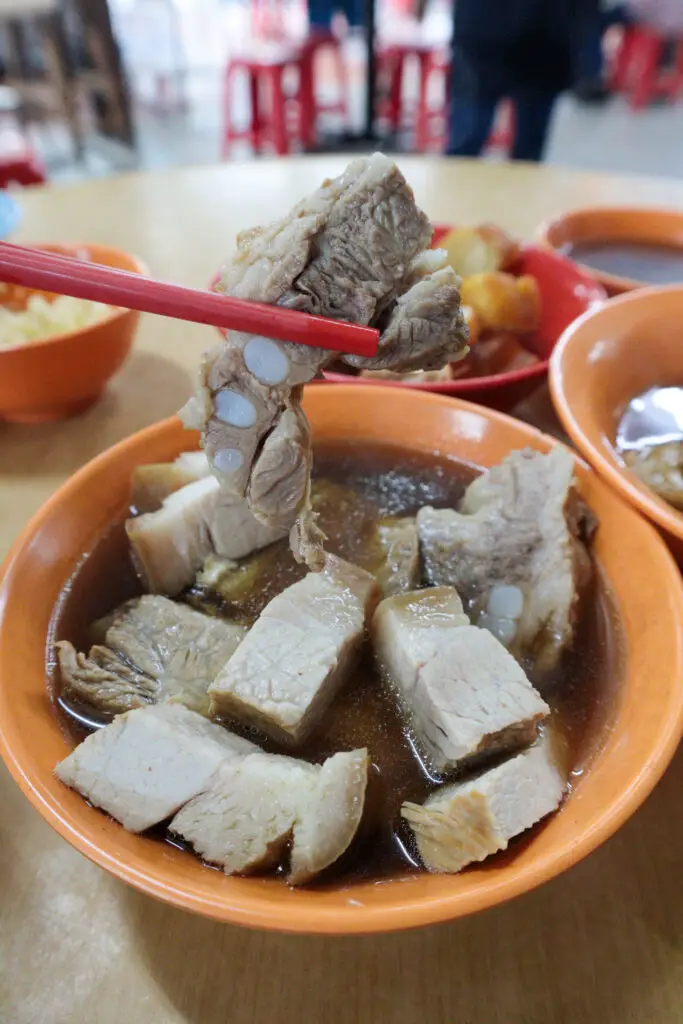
(321, 12)
(471, 120)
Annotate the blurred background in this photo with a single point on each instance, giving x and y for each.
(97, 87)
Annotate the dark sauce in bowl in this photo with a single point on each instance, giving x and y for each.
(639, 261)
(358, 486)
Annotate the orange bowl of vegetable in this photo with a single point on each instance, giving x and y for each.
(625, 751)
(509, 358)
(57, 353)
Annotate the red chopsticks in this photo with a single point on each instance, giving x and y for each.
(35, 268)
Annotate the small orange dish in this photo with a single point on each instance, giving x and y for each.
(638, 731)
(622, 247)
(66, 373)
(605, 359)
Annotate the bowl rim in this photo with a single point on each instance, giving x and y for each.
(619, 478)
(404, 913)
(117, 312)
(596, 296)
(614, 282)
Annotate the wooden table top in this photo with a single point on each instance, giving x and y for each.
(603, 943)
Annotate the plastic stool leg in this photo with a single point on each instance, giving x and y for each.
(227, 112)
(29, 174)
(342, 83)
(621, 68)
(277, 111)
(306, 97)
(422, 118)
(645, 70)
(395, 91)
(257, 122)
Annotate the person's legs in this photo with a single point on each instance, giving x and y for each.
(470, 114)
(320, 14)
(470, 125)
(589, 58)
(354, 10)
(617, 15)
(533, 112)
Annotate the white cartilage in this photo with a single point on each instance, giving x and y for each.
(228, 460)
(234, 409)
(266, 361)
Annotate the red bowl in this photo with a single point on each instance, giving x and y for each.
(567, 291)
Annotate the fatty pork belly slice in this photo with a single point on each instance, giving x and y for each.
(154, 481)
(354, 250)
(153, 650)
(468, 821)
(145, 765)
(238, 806)
(299, 652)
(169, 546)
(464, 695)
(257, 807)
(516, 550)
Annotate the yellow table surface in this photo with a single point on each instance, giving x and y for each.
(603, 943)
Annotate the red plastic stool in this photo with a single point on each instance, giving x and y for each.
(636, 68)
(391, 63)
(424, 116)
(311, 106)
(430, 124)
(270, 123)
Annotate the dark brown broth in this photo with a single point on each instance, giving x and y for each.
(639, 261)
(376, 481)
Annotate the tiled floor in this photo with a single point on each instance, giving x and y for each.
(610, 137)
(614, 138)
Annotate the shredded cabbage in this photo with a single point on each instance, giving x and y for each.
(42, 318)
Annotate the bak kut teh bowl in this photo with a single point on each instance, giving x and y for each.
(66, 373)
(641, 722)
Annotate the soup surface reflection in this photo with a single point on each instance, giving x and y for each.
(650, 441)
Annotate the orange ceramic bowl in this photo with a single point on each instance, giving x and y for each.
(613, 224)
(630, 753)
(603, 361)
(63, 375)
(566, 292)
